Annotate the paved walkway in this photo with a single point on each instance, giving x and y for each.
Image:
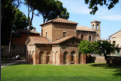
(12, 62)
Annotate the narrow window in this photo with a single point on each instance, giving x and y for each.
(72, 42)
(89, 38)
(93, 26)
(46, 34)
(97, 26)
(114, 42)
(81, 36)
(97, 35)
(64, 34)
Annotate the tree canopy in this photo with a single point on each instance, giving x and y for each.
(49, 9)
(7, 17)
(99, 47)
(93, 4)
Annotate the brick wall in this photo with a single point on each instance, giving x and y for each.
(101, 59)
(22, 40)
(86, 35)
(16, 50)
(59, 28)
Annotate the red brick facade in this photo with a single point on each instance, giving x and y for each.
(59, 44)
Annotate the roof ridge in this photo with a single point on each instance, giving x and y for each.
(115, 33)
(62, 38)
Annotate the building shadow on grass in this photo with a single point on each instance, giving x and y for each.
(117, 72)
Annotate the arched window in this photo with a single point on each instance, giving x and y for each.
(89, 38)
(97, 26)
(93, 26)
(65, 59)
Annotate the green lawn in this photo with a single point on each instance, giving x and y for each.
(84, 72)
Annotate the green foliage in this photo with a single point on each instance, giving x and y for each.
(99, 47)
(87, 47)
(21, 21)
(49, 9)
(106, 48)
(94, 3)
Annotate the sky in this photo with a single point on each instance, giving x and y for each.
(80, 13)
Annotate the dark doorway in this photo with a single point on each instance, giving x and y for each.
(65, 58)
(41, 58)
(73, 60)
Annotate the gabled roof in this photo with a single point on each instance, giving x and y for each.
(44, 40)
(64, 39)
(60, 20)
(84, 28)
(38, 40)
(115, 33)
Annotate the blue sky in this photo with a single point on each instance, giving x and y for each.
(79, 12)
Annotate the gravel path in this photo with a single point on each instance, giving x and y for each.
(12, 62)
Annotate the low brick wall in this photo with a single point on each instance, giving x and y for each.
(101, 59)
(16, 50)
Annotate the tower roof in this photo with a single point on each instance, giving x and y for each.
(96, 21)
(60, 20)
(84, 28)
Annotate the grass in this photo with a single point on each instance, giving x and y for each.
(84, 72)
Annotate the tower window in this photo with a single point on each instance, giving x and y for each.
(93, 26)
(97, 26)
(64, 34)
(81, 36)
(46, 34)
(89, 38)
(97, 35)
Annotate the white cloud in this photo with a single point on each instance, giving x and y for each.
(115, 17)
(79, 7)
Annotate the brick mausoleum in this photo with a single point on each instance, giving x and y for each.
(58, 43)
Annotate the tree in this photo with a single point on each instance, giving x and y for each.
(93, 4)
(106, 48)
(86, 47)
(49, 9)
(21, 21)
(99, 47)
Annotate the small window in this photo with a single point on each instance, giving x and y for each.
(97, 26)
(81, 36)
(46, 34)
(72, 42)
(114, 42)
(64, 34)
(97, 35)
(89, 38)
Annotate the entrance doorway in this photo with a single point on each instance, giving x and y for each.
(73, 57)
(48, 58)
(41, 58)
(65, 60)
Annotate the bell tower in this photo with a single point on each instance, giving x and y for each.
(95, 25)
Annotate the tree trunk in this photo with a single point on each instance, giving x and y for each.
(107, 60)
(2, 11)
(9, 51)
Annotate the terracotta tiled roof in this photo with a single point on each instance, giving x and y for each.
(60, 20)
(84, 28)
(62, 40)
(96, 21)
(25, 31)
(39, 40)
